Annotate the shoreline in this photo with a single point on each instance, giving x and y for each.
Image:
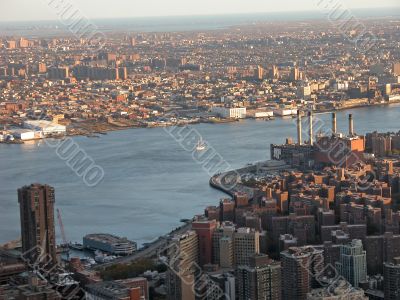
(105, 128)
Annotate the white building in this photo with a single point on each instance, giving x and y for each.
(47, 127)
(23, 134)
(230, 112)
(260, 114)
(282, 112)
(341, 86)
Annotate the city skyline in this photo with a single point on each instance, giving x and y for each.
(24, 10)
(234, 154)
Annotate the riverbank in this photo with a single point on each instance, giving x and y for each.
(103, 128)
(94, 129)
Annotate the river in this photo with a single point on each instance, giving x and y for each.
(150, 181)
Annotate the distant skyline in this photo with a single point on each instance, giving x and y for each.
(38, 10)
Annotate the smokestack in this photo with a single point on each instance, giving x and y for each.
(333, 123)
(310, 116)
(299, 139)
(351, 125)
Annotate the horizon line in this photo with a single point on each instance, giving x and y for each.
(212, 14)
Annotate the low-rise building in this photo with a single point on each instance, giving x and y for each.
(109, 243)
(47, 127)
(230, 112)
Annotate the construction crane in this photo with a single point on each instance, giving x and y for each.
(64, 245)
(60, 223)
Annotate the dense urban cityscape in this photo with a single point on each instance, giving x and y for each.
(317, 218)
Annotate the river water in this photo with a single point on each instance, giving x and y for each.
(150, 181)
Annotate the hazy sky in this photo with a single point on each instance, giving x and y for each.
(24, 10)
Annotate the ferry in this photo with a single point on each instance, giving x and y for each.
(76, 246)
(200, 145)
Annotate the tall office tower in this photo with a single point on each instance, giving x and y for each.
(260, 73)
(353, 262)
(391, 273)
(246, 243)
(301, 266)
(36, 204)
(42, 68)
(205, 230)
(222, 244)
(122, 73)
(183, 258)
(396, 69)
(274, 72)
(295, 74)
(261, 279)
(226, 259)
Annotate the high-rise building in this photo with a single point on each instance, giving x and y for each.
(391, 274)
(226, 259)
(261, 279)
(259, 73)
(227, 210)
(396, 69)
(122, 73)
(226, 283)
(295, 74)
(55, 73)
(353, 262)
(42, 68)
(23, 43)
(274, 72)
(222, 245)
(301, 266)
(204, 230)
(183, 259)
(246, 244)
(381, 249)
(11, 44)
(37, 223)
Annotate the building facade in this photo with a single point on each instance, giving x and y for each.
(37, 223)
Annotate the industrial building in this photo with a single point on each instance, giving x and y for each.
(230, 112)
(333, 149)
(23, 134)
(282, 112)
(46, 127)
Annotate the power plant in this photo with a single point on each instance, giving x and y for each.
(329, 149)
